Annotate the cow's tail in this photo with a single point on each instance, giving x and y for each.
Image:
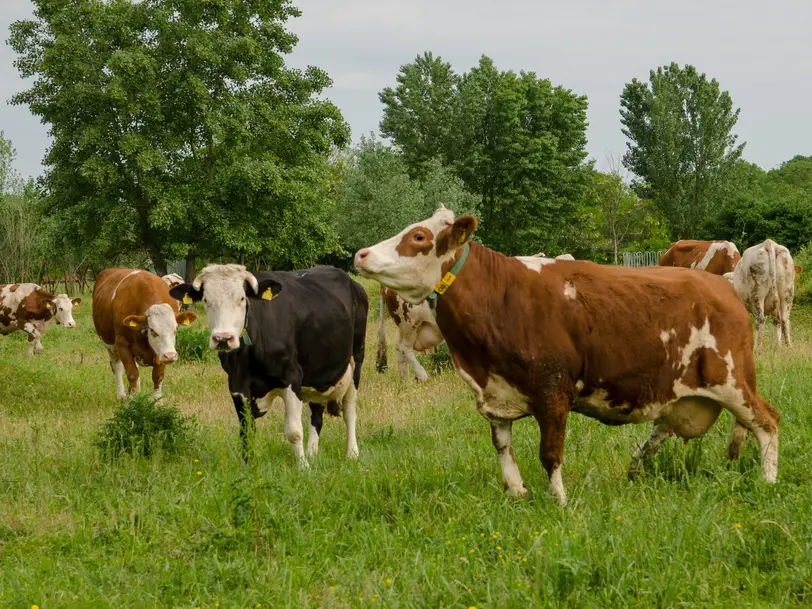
(380, 362)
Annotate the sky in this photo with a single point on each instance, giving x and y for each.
(761, 52)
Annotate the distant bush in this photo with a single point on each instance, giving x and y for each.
(142, 426)
(193, 346)
(803, 288)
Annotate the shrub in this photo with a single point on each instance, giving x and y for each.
(803, 288)
(142, 426)
(193, 346)
(441, 359)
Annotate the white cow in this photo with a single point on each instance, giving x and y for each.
(559, 257)
(765, 282)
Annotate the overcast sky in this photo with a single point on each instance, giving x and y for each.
(761, 52)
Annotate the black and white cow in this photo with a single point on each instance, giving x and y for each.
(296, 335)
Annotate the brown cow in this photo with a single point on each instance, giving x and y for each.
(137, 320)
(417, 331)
(29, 308)
(541, 338)
(717, 257)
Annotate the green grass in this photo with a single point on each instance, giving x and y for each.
(419, 521)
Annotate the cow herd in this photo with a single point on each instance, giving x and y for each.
(532, 336)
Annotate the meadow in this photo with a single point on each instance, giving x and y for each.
(420, 520)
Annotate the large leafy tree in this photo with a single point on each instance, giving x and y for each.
(177, 129)
(377, 197)
(516, 141)
(681, 143)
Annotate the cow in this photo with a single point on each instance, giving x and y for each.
(28, 308)
(717, 257)
(417, 331)
(541, 338)
(764, 280)
(137, 321)
(559, 257)
(295, 335)
(172, 279)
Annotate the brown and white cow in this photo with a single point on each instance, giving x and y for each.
(417, 331)
(28, 308)
(137, 320)
(717, 257)
(543, 338)
(764, 279)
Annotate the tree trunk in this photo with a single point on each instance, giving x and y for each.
(191, 266)
(158, 261)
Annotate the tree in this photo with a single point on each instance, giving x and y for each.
(178, 130)
(377, 198)
(516, 142)
(681, 143)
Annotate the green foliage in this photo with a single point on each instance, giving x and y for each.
(682, 146)
(141, 426)
(193, 345)
(440, 360)
(377, 198)
(775, 205)
(516, 142)
(177, 126)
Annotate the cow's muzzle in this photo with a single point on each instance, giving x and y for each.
(223, 342)
(169, 358)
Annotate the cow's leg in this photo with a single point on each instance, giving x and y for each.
(403, 362)
(157, 381)
(246, 419)
(118, 371)
(419, 371)
(758, 312)
(737, 438)
(293, 425)
(349, 406)
(316, 420)
(33, 338)
(765, 430)
(553, 427)
(502, 437)
(130, 368)
(659, 433)
(785, 326)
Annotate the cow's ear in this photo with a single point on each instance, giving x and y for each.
(798, 269)
(268, 289)
(462, 230)
(135, 322)
(76, 302)
(186, 293)
(48, 304)
(186, 318)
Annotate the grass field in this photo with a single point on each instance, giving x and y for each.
(419, 520)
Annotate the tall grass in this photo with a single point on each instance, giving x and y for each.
(419, 520)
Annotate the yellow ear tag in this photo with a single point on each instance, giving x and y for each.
(187, 299)
(47, 305)
(267, 294)
(462, 239)
(186, 321)
(132, 324)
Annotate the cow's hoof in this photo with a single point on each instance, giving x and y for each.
(517, 493)
(304, 464)
(352, 454)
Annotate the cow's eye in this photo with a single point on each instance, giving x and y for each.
(418, 237)
(242, 299)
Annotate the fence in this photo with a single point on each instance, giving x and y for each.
(639, 259)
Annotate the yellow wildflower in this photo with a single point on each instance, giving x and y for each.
(196, 461)
(388, 582)
(199, 473)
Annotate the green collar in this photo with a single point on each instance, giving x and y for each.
(449, 277)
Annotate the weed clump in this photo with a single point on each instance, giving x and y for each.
(193, 346)
(141, 426)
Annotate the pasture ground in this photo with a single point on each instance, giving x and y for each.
(419, 521)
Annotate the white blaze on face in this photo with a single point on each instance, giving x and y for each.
(394, 263)
(161, 329)
(64, 310)
(224, 301)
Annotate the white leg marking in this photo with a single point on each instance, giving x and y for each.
(312, 438)
(350, 410)
(768, 443)
(557, 486)
(403, 362)
(419, 371)
(158, 393)
(118, 371)
(502, 436)
(293, 425)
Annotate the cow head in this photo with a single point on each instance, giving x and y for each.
(172, 279)
(225, 290)
(411, 262)
(63, 310)
(160, 324)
